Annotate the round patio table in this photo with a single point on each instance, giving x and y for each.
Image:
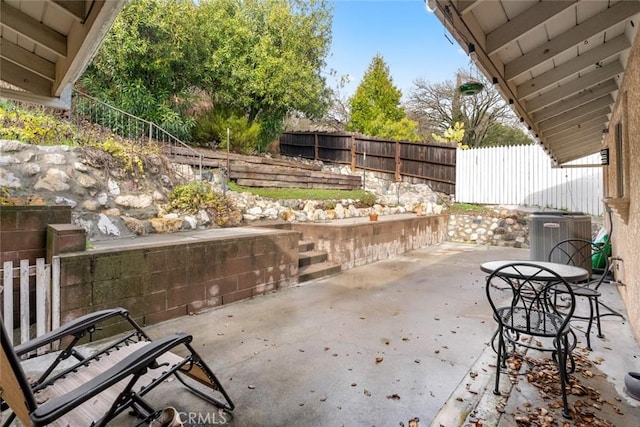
(570, 273)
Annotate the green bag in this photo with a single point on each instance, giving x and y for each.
(599, 260)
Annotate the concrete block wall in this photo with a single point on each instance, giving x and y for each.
(162, 282)
(23, 230)
(351, 243)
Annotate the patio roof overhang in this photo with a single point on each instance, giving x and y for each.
(45, 45)
(558, 63)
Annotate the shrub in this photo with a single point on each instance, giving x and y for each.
(34, 126)
(368, 199)
(199, 195)
(212, 127)
(5, 197)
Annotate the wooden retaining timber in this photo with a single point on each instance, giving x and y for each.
(279, 176)
(258, 171)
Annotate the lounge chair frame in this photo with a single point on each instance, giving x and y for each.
(127, 369)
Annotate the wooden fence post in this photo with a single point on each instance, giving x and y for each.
(47, 298)
(315, 146)
(353, 153)
(7, 296)
(398, 162)
(24, 300)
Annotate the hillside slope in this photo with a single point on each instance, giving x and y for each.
(104, 199)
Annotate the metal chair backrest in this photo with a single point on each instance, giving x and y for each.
(14, 387)
(531, 291)
(580, 252)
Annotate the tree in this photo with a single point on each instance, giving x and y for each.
(438, 106)
(256, 61)
(337, 116)
(500, 135)
(453, 134)
(148, 63)
(265, 59)
(375, 106)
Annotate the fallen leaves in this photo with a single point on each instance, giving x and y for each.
(543, 374)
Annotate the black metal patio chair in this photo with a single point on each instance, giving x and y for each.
(77, 390)
(522, 296)
(580, 252)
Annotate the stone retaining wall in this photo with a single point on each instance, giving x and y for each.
(505, 228)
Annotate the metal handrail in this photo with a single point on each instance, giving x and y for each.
(126, 124)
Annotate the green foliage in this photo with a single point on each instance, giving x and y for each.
(502, 135)
(5, 197)
(368, 199)
(212, 127)
(149, 62)
(34, 126)
(265, 58)
(404, 130)
(436, 106)
(37, 126)
(259, 58)
(200, 195)
(130, 156)
(452, 134)
(470, 209)
(375, 106)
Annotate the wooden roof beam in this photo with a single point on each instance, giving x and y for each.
(578, 151)
(581, 32)
(581, 63)
(575, 113)
(582, 98)
(84, 40)
(465, 6)
(32, 29)
(590, 124)
(25, 79)
(520, 25)
(27, 60)
(599, 75)
(74, 8)
(574, 121)
(584, 135)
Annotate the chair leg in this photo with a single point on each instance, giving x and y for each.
(597, 304)
(611, 312)
(563, 350)
(590, 324)
(9, 419)
(500, 360)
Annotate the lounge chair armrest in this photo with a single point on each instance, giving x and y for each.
(78, 326)
(136, 362)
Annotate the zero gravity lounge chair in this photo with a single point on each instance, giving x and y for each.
(77, 390)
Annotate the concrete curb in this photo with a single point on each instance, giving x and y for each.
(473, 399)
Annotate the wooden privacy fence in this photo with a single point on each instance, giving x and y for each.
(524, 176)
(47, 298)
(434, 163)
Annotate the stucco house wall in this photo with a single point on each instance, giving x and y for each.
(624, 199)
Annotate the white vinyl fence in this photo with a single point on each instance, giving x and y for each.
(47, 294)
(523, 175)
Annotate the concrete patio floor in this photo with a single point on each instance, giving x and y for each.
(378, 345)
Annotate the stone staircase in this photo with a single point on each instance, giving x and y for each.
(313, 264)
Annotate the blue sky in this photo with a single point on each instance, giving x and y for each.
(411, 40)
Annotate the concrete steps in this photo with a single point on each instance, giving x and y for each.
(313, 264)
